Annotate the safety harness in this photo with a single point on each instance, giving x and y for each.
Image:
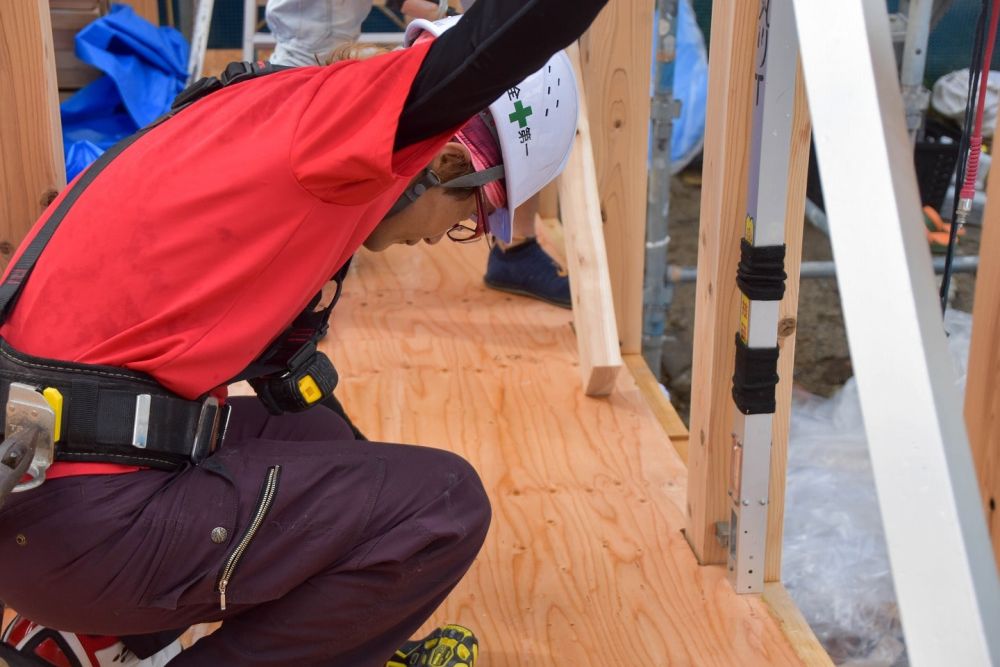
(84, 412)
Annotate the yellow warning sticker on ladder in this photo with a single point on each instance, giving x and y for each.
(745, 301)
(745, 318)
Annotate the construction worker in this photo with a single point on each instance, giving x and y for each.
(192, 255)
(306, 31)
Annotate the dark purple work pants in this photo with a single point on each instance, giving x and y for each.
(362, 541)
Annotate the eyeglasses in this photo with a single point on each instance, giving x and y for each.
(461, 233)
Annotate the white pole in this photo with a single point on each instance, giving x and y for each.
(943, 568)
(249, 29)
(199, 39)
(911, 75)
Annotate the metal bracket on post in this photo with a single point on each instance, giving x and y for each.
(764, 228)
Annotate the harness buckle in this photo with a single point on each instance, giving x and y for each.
(212, 423)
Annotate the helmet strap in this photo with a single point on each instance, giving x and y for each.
(428, 179)
(476, 178)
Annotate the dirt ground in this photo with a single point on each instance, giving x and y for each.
(822, 358)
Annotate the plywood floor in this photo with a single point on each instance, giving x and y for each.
(585, 565)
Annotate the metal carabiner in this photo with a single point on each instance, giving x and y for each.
(28, 412)
(16, 454)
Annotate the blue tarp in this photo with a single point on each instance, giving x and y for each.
(690, 87)
(144, 68)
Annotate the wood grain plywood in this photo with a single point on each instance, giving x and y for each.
(585, 563)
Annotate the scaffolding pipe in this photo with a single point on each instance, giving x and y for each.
(911, 77)
(656, 289)
(966, 264)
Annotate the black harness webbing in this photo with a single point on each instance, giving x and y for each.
(104, 418)
(116, 415)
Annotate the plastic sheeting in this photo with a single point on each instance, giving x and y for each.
(835, 563)
(145, 67)
(951, 92)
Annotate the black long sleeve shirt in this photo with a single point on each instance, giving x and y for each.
(495, 46)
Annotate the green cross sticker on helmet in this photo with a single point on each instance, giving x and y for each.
(520, 115)
(549, 99)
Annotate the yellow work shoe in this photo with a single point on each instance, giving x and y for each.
(448, 646)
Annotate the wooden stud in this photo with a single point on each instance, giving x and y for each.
(32, 171)
(723, 207)
(548, 201)
(593, 306)
(798, 171)
(147, 9)
(616, 54)
(982, 399)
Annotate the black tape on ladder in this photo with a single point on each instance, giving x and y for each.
(755, 377)
(761, 273)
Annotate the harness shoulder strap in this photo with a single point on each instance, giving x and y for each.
(234, 73)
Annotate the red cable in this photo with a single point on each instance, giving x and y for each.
(976, 141)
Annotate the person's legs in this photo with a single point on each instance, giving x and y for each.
(523, 267)
(355, 544)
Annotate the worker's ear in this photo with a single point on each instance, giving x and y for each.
(452, 161)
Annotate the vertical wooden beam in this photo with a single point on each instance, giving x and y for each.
(31, 159)
(586, 259)
(982, 396)
(723, 208)
(616, 54)
(147, 9)
(795, 206)
(548, 201)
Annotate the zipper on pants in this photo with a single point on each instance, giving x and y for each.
(267, 494)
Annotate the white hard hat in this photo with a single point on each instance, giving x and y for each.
(535, 122)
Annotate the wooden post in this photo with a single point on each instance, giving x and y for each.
(723, 207)
(147, 9)
(982, 398)
(32, 170)
(798, 172)
(548, 201)
(593, 308)
(616, 54)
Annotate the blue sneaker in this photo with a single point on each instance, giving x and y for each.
(527, 270)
